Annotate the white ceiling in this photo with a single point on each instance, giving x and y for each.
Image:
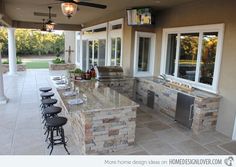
(22, 10)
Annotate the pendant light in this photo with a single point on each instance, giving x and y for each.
(50, 24)
(69, 9)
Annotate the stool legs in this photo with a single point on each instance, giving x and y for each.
(53, 141)
(63, 140)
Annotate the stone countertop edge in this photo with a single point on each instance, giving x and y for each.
(194, 93)
(78, 108)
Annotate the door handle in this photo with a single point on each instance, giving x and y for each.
(191, 112)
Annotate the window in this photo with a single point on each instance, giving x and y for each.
(78, 48)
(84, 54)
(96, 52)
(115, 43)
(192, 55)
(102, 45)
(115, 51)
(188, 56)
(171, 54)
(208, 57)
(144, 53)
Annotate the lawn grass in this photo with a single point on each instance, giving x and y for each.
(36, 64)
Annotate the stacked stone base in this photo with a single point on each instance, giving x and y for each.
(205, 114)
(205, 109)
(57, 67)
(103, 132)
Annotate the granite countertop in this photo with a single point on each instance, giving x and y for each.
(98, 98)
(196, 92)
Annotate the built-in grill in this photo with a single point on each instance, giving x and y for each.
(109, 73)
(113, 77)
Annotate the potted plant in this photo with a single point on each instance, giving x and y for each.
(76, 73)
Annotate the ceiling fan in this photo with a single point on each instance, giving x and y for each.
(70, 7)
(50, 23)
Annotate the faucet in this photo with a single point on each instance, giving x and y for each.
(163, 77)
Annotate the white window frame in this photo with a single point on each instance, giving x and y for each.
(91, 37)
(78, 51)
(150, 72)
(195, 29)
(105, 35)
(118, 33)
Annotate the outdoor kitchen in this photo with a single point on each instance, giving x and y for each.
(102, 109)
(144, 77)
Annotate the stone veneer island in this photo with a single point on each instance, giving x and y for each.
(105, 123)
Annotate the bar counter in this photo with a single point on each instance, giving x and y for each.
(104, 123)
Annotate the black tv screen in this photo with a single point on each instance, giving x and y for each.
(140, 16)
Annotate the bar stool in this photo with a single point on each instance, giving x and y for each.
(56, 124)
(46, 95)
(50, 112)
(45, 89)
(47, 103)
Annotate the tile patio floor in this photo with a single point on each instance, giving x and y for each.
(22, 133)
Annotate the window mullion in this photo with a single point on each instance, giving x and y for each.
(93, 53)
(177, 56)
(115, 51)
(98, 54)
(199, 56)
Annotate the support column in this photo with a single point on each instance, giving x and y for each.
(3, 99)
(12, 51)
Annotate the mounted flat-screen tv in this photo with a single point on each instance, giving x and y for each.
(140, 16)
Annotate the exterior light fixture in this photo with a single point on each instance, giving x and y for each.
(69, 9)
(50, 24)
(44, 26)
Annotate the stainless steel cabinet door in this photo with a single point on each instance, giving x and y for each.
(184, 110)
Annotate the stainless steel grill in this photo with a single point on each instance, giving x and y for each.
(114, 78)
(109, 73)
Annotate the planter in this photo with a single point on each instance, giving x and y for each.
(20, 67)
(66, 66)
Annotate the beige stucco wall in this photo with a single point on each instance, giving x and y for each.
(128, 45)
(70, 41)
(209, 12)
(201, 12)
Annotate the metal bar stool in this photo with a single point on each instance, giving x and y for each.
(56, 124)
(47, 103)
(45, 89)
(46, 95)
(50, 112)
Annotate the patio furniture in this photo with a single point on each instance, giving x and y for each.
(48, 103)
(45, 89)
(56, 131)
(46, 95)
(50, 112)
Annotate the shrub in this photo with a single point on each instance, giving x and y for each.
(5, 62)
(18, 61)
(58, 61)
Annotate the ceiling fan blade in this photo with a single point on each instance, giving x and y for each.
(94, 5)
(44, 14)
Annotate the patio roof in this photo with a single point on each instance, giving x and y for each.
(20, 14)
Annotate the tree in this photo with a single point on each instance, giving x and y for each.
(31, 42)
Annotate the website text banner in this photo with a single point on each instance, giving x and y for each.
(119, 161)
